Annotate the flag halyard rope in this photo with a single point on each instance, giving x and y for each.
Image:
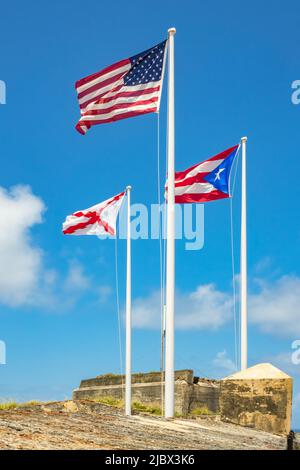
(119, 314)
(162, 333)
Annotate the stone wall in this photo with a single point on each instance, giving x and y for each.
(259, 397)
(205, 394)
(296, 445)
(191, 393)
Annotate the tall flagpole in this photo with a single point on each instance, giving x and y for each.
(243, 281)
(162, 363)
(128, 312)
(170, 276)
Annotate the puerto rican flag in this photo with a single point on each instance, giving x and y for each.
(100, 219)
(128, 88)
(206, 181)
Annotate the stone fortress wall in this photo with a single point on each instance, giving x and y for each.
(190, 392)
(259, 397)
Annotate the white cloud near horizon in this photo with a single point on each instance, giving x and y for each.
(223, 363)
(284, 362)
(203, 308)
(21, 261)
(24, 278)
(76, 278)
(25, 281)
(274, 308)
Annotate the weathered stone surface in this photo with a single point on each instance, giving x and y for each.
(148, 394)
(259, 397)
(190, 392)
(297, 441)
(89, 425)
(149, 377)
(206, 393)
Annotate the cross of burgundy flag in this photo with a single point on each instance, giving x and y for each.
(125, 89)
(96, 220)
(206, 181)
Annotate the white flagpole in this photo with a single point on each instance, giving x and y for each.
(128, 312)
(162, 364)
(170, 277)
(243, 281)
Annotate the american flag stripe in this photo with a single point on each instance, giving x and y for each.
(134, 92)
(110, 118)
(94, 96)
(128, 88)
(110, 107)
(138, 89)
(86, 82)
(99, 80)
(96, 91)
(91, 101)
(126, 97)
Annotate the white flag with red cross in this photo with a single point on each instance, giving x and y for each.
(97, 220)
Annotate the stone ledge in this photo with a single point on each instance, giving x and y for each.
(191, 393)
(150, 377)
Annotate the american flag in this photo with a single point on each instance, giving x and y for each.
(127, 88)
(206, 181)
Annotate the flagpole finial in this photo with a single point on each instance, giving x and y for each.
(171, 31)
(128, 188)
(244, 139)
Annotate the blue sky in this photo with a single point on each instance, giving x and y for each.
(235, 64)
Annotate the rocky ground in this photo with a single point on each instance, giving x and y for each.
(88, 425)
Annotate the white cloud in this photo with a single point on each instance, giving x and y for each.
(146, 311)
(297, 403)
(275, 308)
(21, 261)
(284, 362)
(24, 278)
(223, 363)
(104, 293)
(296, 411)
(76, 278)
(263, 265)
(204, 308)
